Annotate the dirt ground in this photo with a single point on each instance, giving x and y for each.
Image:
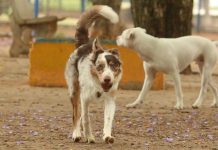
(36, 118)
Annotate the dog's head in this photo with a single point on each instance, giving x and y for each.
(106, 65)
(128, 36)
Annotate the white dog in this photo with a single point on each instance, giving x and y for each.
(172, 56)
(93, 73)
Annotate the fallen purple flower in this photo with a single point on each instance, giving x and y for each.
(5, 126)
(20, 142)
(69, 136)
(149, 130)
(34, 133)
(168, 139)
(185, 135)
(210, 137)
(22, 124)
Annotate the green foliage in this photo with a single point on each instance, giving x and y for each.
(66, 5)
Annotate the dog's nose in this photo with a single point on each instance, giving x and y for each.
(107, 80)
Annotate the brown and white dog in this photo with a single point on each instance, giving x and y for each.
(92, 73)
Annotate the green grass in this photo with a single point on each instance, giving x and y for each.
(67, 5)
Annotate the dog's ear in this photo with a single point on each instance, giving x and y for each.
(114, 51)
(96, 49)
(130, 35)
(96, 45)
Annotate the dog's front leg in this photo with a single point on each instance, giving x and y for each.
(146, 86)
(86, 121)
(178, 90)
(108, 119)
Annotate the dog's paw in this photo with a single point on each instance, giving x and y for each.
(90, 140)
(178, 106)
(76, 136)
(196, 106)
(131, 105)
(76, 139)
(108, 139)
(214, 105)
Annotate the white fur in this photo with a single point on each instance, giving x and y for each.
(89, 86)
(109, 13)
(172, 56)
(108, 73)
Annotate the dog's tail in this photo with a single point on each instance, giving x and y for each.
(89, 17)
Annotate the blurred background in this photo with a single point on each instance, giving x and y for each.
(203, 20)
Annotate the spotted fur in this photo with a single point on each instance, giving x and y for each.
(92, 72)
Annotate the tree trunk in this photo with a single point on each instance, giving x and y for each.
(164, 18)
(108, 30)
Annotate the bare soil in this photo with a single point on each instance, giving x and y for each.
(38, 118)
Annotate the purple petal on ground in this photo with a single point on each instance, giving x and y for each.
(69, 136)
(168, 139)
(20, 142)
(186, 135)
(22, 124)
(5, 126)
(34, 133)
(175, 133)
(149, 130)
(210, 137)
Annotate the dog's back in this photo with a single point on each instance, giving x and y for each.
(83, 48)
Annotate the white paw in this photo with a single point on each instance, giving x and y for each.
(214, 105)
(132, 105)
(178, 106)
(76, 136)
(108, 139)
(91, 139)
(195, 106)
(76, 139)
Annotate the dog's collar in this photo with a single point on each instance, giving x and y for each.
(98, 94)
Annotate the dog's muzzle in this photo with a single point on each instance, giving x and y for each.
(106, 86)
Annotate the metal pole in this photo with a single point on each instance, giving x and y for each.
(36, 8)
(199, 16)
(83, 5)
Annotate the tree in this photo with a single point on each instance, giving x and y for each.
(108, 30)
(164, 18)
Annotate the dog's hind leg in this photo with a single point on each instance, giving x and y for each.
(214, 90)
(86, 121)
(71, 77)
(212, 85)
(205, 78)
(178, 90)
(108, 119)
(146, 86)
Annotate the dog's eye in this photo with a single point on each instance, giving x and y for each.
(114, 66)
(100, 67)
